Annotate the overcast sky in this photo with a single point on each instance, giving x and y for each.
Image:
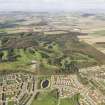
(45, 5)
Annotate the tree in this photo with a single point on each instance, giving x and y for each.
(69, 66)
(1, 56)
(11, 55)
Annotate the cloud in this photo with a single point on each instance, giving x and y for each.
(52, 1)
(50, 4)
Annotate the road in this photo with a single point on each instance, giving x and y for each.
(34, 92)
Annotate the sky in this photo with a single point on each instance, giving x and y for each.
(50, 5)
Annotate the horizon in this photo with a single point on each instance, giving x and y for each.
(51, 5)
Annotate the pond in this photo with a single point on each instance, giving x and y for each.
(45, 83)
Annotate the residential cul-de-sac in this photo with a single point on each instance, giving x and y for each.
(16, 88)
(21, 88)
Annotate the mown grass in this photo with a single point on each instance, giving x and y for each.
(70, 101)
(10, 103)
(45, 99)
(49, 99)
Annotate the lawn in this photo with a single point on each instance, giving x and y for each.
(70, 101)
(45, 99)
(50, 98)
(10, 103)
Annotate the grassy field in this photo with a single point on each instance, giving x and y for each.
(99, 33)
(50, 99)
(70, 101)
(10, 103)
(45, 99)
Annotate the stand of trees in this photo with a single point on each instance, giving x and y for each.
(8, 55)
(69, 66)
